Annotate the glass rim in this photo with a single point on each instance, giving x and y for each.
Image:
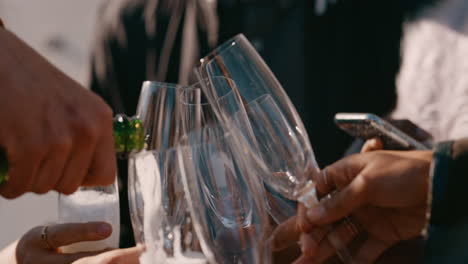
(228, 44)
(149, 83)
(145, 152)
(223, 131)
(209, 79)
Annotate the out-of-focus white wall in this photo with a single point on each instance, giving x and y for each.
(62, 31)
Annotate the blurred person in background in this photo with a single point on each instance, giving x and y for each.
(322, 59)
(432, 83)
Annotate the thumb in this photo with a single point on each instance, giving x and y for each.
(286, 234)
(341, 204)
(372, 144)
(66, 234)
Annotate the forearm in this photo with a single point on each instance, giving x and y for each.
(8, 255)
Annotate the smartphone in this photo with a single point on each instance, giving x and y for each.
(366, 126)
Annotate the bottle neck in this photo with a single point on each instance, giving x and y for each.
(128, 135)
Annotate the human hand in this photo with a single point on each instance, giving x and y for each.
(32, 248)
(372, 144)
(56, 134)
(385, 193)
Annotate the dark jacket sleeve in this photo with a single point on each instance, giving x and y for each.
(448, 230)
(450, 183)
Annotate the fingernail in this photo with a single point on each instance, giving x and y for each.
(315, 213)
(104, 229)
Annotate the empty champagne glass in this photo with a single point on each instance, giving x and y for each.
(238, 60)
(225, 197)
(293, 160)
(91, 204)
(159, 113)
(289, 170)
(197, 111)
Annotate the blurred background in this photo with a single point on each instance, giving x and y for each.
(61, 30)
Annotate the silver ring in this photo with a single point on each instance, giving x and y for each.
(44, 237)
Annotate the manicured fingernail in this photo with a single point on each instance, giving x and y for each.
(316, 213)
(104, 229)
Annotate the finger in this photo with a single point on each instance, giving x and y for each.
(78, 164)
(302, 222)
(305, 225)
(52, 168)
(75, 171)
(123, 256)
(372, 145)
(103, 166)
(286, 234)
(335, 242)
(324, 183)
(66, 234)
(310, 241)
(341, 173)
(371, 250)
(21, 174)
(341, 204)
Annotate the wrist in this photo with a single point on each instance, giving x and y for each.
(440, 202)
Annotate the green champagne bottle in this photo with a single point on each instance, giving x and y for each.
(128, 135)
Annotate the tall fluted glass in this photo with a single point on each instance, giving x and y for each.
(238, 60)
(159, 112)
(227, 210)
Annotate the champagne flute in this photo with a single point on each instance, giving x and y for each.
(227, 212)
(197, 111)
(159, 111)
(289, 170)
(237, 59)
